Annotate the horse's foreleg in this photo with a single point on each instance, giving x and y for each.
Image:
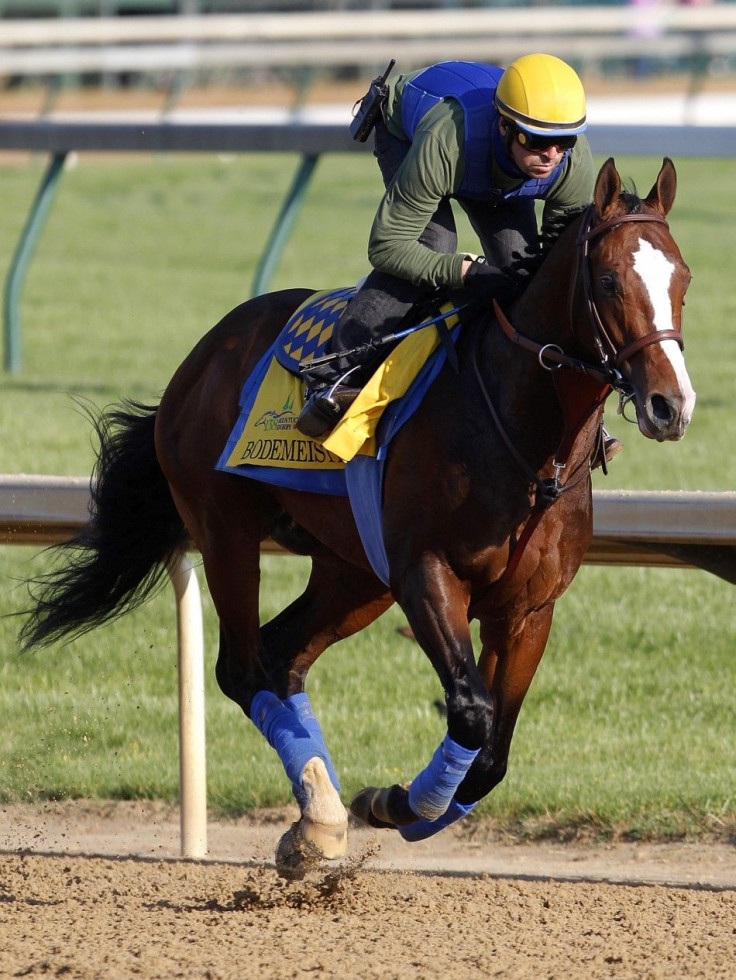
(436, 607)
(508, 666)
(507, 670)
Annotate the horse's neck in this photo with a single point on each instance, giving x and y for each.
(528, 405)
(543, 312)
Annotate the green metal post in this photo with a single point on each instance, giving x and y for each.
(22, 257)
(284, 223)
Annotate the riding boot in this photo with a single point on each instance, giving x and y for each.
(324, 408)
(612, 447)
(607, 448)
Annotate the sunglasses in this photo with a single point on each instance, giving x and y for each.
(530, 141)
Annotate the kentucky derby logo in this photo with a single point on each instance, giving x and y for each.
(278, 421)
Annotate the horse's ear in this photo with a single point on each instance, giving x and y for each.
(607, 189)
(662, 194)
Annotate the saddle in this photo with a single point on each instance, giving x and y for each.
(307, 333)
(265, 444)
(306, 338)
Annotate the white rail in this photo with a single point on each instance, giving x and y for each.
(50, 509)
(629, 528)
(340, 25)
(310, 136)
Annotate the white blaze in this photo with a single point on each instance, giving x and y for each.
(655, 270)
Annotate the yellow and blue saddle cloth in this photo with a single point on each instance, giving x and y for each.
(265, 444)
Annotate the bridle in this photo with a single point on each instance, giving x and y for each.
(607, 372)
(606, 348)
(611, 358)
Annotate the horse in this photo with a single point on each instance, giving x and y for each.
(486, 510)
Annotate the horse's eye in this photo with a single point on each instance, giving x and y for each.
(608, 285)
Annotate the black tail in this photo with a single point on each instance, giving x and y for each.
(120, 560)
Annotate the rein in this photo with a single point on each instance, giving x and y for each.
(551, 356)
(600, 378)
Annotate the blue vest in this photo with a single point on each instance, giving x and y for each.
(473, 85)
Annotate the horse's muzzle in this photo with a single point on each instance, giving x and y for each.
(665, 417)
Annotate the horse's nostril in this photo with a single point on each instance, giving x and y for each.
(661, 409)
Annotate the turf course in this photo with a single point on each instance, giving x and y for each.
(628, 728)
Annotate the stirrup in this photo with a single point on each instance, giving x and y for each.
(323, 409)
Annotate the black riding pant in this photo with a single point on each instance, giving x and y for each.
(503, 228)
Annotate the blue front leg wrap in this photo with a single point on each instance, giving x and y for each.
(428, 828)
(431, 793)
(291, 728)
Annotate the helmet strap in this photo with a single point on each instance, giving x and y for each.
(508, 136)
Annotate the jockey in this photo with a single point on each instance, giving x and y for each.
(494, 141)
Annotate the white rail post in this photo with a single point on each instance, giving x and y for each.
(192, 761)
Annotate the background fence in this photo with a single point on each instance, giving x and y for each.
(591, 36)
(308, 139)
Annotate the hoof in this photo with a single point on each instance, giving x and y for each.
(305, 844)
(322, 832)
(362, 807)
(294, 856)
(324, 823)
(327, 842)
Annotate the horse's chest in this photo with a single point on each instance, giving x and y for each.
(530, 570)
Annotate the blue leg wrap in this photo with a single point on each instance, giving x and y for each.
(428, 828)
(431, 793)
(291, 728)
(302, 708)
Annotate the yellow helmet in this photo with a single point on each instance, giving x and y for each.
(542, 95)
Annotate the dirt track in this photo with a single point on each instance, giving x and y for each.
(388, 911)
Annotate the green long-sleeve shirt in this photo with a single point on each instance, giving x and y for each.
(432, 170)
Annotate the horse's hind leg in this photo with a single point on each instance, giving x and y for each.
(340, 599)
(266, 677)
(247, 675)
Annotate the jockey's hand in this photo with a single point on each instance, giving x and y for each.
(525, 264)
(523, 267)
(488, 281)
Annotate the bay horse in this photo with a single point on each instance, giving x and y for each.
(487, 510)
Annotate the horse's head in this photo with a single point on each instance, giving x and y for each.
(635, 282)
